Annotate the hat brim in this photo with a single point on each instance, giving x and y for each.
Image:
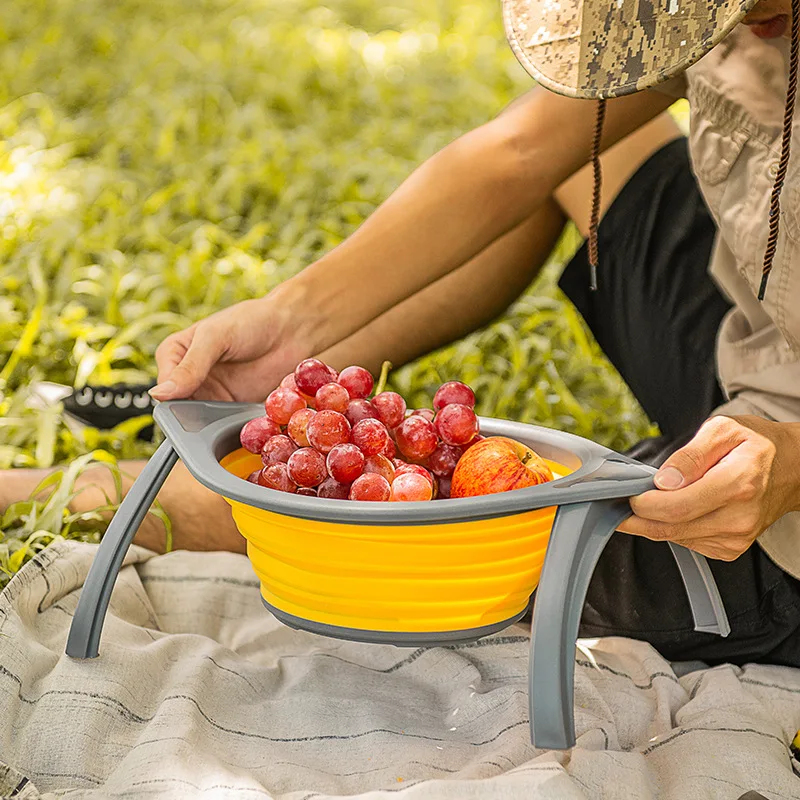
(590, 49)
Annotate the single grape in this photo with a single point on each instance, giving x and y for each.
(370, 436)
(331, 489)
(443, 460)
(391, 408)
(345, 463)
(255, 433)
(456, 424)
(410, 487)
(443, 488)
(453, 392)
(305, 491)
(370, 486)
(357, 381)
(379, 465)
(425, 413)
(253, 476)
(416, 438)
(282, 403)
(276, 476)
(360, 409)
(416, 469)
(290, 383)
(326, 429)
(333, 397)
(277, 450)
(298, 424)
(390, 451)
(310, 375)
(307, 467)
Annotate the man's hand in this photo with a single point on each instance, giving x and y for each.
(717, 494)
(240, 353)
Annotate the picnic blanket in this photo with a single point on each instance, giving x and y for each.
(199, 692)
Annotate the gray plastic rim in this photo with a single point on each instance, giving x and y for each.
(396, 638)
(205, 432)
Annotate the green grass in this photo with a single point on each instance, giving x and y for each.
(160, 159)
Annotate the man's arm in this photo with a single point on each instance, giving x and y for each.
(475, 293)
(457, 304)
(466, 197)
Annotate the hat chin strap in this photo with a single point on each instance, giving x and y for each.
(786, 143)
(598, 185)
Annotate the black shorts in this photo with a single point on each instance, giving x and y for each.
(656, 314)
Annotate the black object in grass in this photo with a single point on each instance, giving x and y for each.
(105, 407)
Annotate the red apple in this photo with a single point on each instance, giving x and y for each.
(497, 464)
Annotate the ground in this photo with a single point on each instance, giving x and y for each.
(160, 159)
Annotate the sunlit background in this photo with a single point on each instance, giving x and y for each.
(160, 159)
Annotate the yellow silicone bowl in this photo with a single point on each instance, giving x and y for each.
(427, 578)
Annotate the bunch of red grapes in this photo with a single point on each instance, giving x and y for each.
(323, 437)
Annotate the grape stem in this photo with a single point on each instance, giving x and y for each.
(384, 376)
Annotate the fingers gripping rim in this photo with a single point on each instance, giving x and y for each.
(204, 351)
(170, 353)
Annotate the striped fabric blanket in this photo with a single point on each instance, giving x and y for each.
(199, 692)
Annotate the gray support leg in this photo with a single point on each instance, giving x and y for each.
(701, 589)
(580, 532)
(87, 624)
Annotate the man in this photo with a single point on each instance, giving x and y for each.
(459, 240)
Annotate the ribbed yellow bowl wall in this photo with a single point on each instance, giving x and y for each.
(404, 578)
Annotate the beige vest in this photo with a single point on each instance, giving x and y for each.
(736, 94)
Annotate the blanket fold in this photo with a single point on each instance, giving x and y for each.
(199, 692)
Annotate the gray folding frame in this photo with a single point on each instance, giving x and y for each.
(591, 503)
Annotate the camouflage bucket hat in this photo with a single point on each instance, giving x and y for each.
(608, 48)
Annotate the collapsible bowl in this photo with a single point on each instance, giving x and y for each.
(411, 574)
